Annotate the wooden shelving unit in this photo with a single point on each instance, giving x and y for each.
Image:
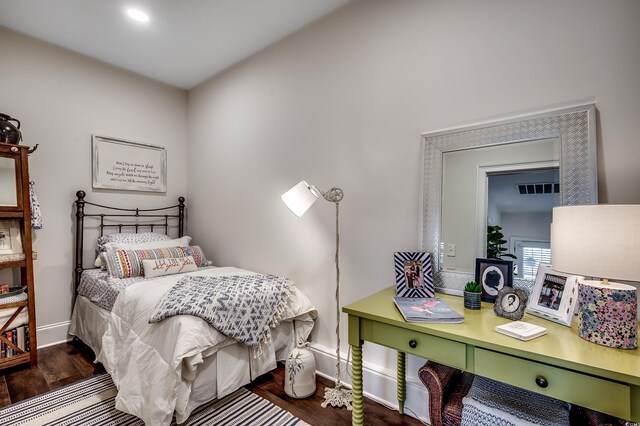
(15, 209)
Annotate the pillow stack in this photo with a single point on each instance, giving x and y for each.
(151, 254)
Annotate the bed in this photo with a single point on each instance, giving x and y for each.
(170, 367)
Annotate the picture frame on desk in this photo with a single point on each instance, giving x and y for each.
(414, 274)
(554, 295)
(10, 242)
(493, 275)
(511, 303)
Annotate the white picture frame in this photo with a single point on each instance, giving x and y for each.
(129, 166)
(10, 240)
(554, 295)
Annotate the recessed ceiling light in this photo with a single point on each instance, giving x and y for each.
(137, 15)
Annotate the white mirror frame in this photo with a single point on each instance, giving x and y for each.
(576, 129)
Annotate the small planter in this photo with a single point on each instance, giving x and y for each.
(472, 300)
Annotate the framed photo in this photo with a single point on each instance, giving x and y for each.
(10, 242)
(554, 295)
(511, 303)
(414, 274)
(130, 166)
(493, 274)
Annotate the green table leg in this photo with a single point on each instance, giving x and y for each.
(357, 413)
(402, 386)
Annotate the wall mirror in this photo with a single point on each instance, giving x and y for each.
(8, 182)
(552, 154)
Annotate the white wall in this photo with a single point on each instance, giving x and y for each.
(344, 101)
(61, 98)
(530, 225)
(461, 203)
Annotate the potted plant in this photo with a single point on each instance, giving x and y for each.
(495, 242)
(472, 295)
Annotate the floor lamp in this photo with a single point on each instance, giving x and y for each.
(298, 199)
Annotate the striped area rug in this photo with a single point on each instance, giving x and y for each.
(92, 402)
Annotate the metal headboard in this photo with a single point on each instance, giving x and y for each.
(138, 217)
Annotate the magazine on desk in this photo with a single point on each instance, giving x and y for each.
(426, 309)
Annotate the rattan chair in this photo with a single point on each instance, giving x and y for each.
(447, 386)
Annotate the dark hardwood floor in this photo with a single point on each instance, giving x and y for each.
(67, 363)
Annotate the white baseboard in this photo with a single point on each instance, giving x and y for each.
(379, 382)
(53, 334)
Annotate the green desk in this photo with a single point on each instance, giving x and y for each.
(576, 371)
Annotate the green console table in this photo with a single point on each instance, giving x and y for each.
(569, 368)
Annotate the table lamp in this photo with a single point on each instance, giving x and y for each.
(601, 241)
(299, 199)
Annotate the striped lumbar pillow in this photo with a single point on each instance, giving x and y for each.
(128, 263)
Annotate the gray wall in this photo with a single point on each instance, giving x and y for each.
(340, 103)
(344, 101)
(61, 98)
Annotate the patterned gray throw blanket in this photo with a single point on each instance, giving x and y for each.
(491, 403)
(242, 307)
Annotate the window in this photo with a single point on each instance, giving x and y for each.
(530, 254)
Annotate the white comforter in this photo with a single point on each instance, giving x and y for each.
(154, 365)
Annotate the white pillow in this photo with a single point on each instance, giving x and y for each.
(174, 265)
(101, 261)
(178, 242)
(130, 237)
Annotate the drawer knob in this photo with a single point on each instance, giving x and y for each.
(413, 344)
(542, 382)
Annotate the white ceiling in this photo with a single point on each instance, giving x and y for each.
(503, 192)
(184, 43)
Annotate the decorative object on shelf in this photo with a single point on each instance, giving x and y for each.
(20, 296)
(300, 372)
(601, 241)
(298, 199)
(554, 295)
(9, 133)
(36, 213)
(12, 257)
(6, 290)
(511, 303)
(472, 295)
(414, 274)
(10, 242)
(130, 166)
(493, 274)
(495, 243)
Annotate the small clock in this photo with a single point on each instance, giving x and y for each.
(511, 303)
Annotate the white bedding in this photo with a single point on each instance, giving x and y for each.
(160, 368)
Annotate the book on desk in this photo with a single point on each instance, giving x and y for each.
(521, 330)
(426, 309)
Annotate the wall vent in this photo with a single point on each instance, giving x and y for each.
(539, 188)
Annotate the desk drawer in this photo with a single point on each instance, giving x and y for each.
(581, 389)
(430, 347)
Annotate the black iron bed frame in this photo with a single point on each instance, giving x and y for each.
(136, 214)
